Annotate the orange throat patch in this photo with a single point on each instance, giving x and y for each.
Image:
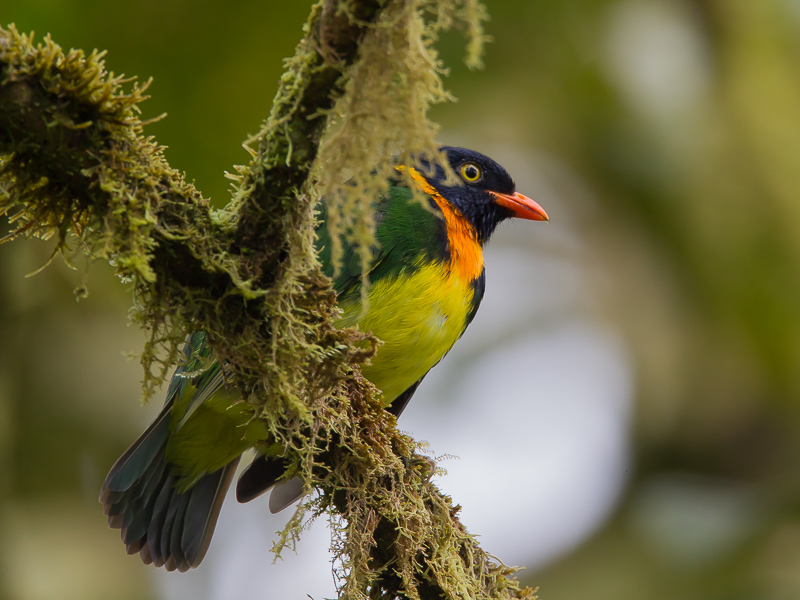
(466, 254)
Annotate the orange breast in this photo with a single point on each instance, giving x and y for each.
(466, 254)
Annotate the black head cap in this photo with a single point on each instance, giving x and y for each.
(484, 193)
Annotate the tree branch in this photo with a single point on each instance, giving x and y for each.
(75, 164)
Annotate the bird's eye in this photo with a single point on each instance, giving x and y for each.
(471, 172)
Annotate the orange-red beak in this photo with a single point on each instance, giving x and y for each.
(522, 206)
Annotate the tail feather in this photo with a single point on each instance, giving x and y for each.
(171, 550)
(158, 517)
(166, 527)
(200, 523)
(135, 527)
(259, 477)
(285, 494)
(138, 459)
(262, 475)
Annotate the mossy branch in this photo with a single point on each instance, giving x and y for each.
(76, 165)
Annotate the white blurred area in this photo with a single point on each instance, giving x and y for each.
(656, 55)
(534, 403)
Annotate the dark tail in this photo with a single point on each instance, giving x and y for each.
(165, 527)
(260, 476)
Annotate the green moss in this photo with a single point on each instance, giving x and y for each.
(76, 166)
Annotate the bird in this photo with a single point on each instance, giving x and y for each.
(426, 282)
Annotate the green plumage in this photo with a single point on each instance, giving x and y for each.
(407, 234)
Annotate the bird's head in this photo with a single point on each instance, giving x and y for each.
(484, 194)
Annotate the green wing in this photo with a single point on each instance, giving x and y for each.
(407, 235)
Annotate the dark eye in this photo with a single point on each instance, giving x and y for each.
(471, 172)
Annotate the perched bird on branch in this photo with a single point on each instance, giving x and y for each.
(426, 283)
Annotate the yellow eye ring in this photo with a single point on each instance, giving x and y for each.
(470, 172)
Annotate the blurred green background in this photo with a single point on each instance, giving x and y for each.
(666, 138)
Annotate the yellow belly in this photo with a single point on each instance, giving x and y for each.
(418, 316)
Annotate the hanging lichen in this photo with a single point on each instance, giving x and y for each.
(75, 165)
